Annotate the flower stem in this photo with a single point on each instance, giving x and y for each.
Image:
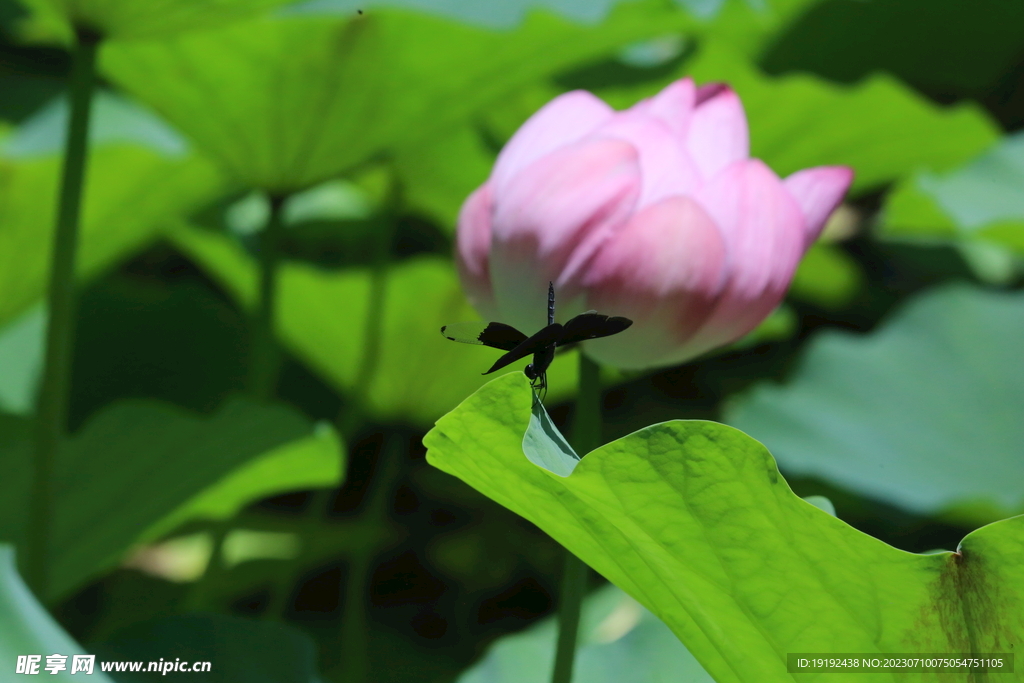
(265, 358)
(200, 597)
(586, 436)
(353, 636)
(572, 590)
(353, 414)
(348, 422)
(55, 392)
(264, 365)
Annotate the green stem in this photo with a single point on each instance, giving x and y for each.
(586, 437)
(351, 417)
(201, 594)
(265, 359)
(571, 592)
(586, 428)
(354, 637)
(264, 365)
(54, 396)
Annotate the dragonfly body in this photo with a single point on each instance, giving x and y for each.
(542, 345)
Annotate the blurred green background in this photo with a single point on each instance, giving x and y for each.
(890, 381)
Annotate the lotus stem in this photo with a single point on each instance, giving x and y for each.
(354, 638)
(264, 366)
(357, 582)
(55, 391)
(265, 355)
(354, 587)
(586, 436)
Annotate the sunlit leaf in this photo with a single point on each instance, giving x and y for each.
(316, 461)
(911, 212)
(54, 19)
(322, 318)
(29, 629)
(113, 120)
(288, 101)
(749, 23)
(141, 467)
(130, 191)
(136, 152)
(439, 174)
(693, 520)
(21, 361)
(881, 128)
(780, 324)
(983, 200)
(501, 15)
(923, 413)
(827, 276)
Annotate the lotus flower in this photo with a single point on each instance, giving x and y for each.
(656, 213)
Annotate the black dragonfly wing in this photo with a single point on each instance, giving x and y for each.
(592, 325)
(495, 335)
(538, 342)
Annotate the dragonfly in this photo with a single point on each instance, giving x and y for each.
(542, 345)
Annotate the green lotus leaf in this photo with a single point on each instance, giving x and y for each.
(140, 468)
(827, 276)
(934, 45)
(316, 461)
(693, 519)
(237, 649)
(421, 375)
(439, 174)
(29, 629)
(880, 127)
(619, 640)
(495, 15)
(288, 101)
(131, 19)
(113, 120)
(749, 24)
(322, 319)
(923, 413)
(130, 191)
(21, 361)
(983, 200)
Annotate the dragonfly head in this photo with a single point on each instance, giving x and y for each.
(530, 373)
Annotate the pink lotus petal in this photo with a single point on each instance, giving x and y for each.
(550, 219)
(655, 213)
(764, 234)
(718, 134)
(472, 250)
(673, 106)
(663, 271)
(665, 167)
(709, 91)
(818, 191)
(562, 121)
